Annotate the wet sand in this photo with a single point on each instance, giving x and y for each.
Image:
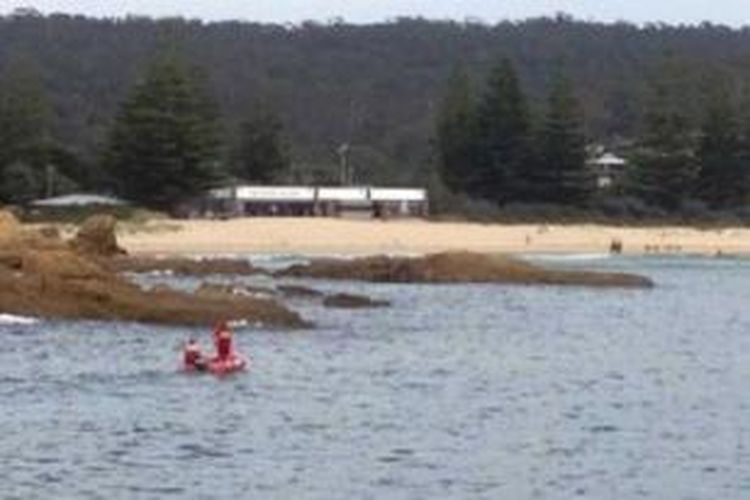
(359, 237)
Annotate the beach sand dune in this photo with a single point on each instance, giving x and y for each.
(361, 237)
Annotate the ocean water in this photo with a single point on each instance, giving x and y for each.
(455, 392)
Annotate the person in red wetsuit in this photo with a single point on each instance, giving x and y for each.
(192, 356)
(223, 340)
(218, 327)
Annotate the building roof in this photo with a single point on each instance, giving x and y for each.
(398, 194)
(275, 193)
(78, 200)
(609, 159)
(346, 194)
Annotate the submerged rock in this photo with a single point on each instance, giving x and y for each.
(184, 266)
(457, 267)
(337, 300)
(213, 290)
(299, 292)
(349, 301)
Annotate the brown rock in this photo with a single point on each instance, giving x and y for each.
(50, 232)
(162, 288)
(458, 267)
(62, 264)
(214, 290)
(33, 240)
(97, 237)
(10, 228)
(11, 261)
(348, 301)
(299, 292)
(50, 296)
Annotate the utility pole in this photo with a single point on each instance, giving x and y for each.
(345, 177)
(346, 171)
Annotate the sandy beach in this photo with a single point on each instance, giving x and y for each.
(355, 237)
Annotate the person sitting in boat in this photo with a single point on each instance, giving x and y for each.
(192, 356)
(223, 340)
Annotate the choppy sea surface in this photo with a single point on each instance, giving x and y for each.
(455, 392)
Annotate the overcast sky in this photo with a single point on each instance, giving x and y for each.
(732, 12)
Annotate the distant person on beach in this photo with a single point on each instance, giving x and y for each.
(615, 246)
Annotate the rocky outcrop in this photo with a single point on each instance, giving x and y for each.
(96, 237)
(45, 277)
(349, 301)
(14, 236)
(10, 228)
(61, 264)
(458, 267)
(46, 296)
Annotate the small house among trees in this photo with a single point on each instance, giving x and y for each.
(609, 170)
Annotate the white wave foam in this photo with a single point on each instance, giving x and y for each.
(578, 257)
(11, 319)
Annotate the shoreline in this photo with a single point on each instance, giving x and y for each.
(319, 236)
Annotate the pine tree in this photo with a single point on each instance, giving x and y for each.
(24, 133)
(20, 183)
(563, 176)
(504, 132)
(456, 134)
(24, 114)
(164, 145)
(742, 182)
(261, 154)
(665, 166)
(721, 182)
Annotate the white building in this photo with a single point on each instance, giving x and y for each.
(78, 200)
(335, 201)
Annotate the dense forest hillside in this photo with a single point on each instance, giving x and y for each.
(377, 87)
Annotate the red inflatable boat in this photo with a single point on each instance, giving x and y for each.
(233, 363)
(225, 361)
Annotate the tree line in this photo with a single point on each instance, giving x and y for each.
(165, 146)
(490, 146)
(284, 98)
